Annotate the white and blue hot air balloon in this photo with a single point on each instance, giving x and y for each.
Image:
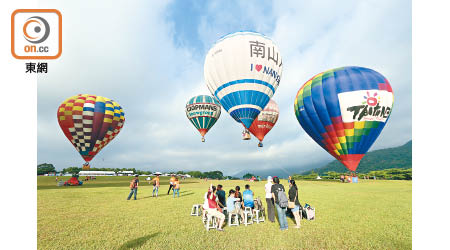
(243, 71)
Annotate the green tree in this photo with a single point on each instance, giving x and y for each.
(45, 168)
(196, 174)
(248, 176)
(333, 174)
(214, 175)
(71, 170)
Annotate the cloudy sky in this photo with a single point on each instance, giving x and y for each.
(148, 56)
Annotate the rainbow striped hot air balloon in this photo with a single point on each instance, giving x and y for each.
(203, 111)
(90, 122)
(344, 111)
(243, 70)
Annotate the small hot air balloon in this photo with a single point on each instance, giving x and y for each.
(203, 112)
(265, 121)
(243, 70)
(344, 111)
(90, 122)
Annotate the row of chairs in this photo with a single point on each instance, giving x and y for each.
(210, 221)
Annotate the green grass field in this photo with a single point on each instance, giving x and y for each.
(367, 215)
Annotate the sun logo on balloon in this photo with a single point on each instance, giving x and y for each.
(371, 100)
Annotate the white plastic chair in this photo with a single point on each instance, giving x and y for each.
(247, 213)
(211, 222)
(230, 219)
(196, 210)
(258, 216)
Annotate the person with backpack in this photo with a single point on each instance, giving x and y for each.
(294, 203)
(281, 202)
(134, 184)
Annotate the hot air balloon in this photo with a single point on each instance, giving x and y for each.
(203, 111)
(344, 111)
(265, 121)
(90, 122)
(243, 70)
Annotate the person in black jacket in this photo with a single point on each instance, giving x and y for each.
(293, 197)
(281, 211)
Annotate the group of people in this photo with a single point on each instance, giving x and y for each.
(215, 202)
(349, 178)
(174, 185)
(275, 199)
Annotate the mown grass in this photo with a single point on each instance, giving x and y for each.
(367, 215)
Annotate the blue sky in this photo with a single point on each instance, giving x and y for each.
(148, 56)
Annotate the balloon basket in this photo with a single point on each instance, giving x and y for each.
(260, 145)
(246, 135)
(86, 166)
(203, 139)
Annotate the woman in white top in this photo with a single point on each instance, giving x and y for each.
(269, 199)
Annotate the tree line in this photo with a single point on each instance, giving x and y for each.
(210, 175)
(46, 168)
(386, 174)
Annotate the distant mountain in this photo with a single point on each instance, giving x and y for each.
(398, 157)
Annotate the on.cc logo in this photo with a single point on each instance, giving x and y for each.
(36, 29)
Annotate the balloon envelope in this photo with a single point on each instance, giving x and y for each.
(243, 70)
(203, 111)
(90, 122)
(265, 120)
(344, 111)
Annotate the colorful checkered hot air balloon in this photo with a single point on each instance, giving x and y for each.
(243, 70)
(265, 121)
(203, 111)
(344, 111)
(90, 122)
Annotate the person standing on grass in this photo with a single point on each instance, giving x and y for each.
(155, 186)
(248, 197)
(281, 211)
(171, 181)
(213, 206)
(293, 197)
(221, 196)
(134, 184)
(269, 199)
(176, 187)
